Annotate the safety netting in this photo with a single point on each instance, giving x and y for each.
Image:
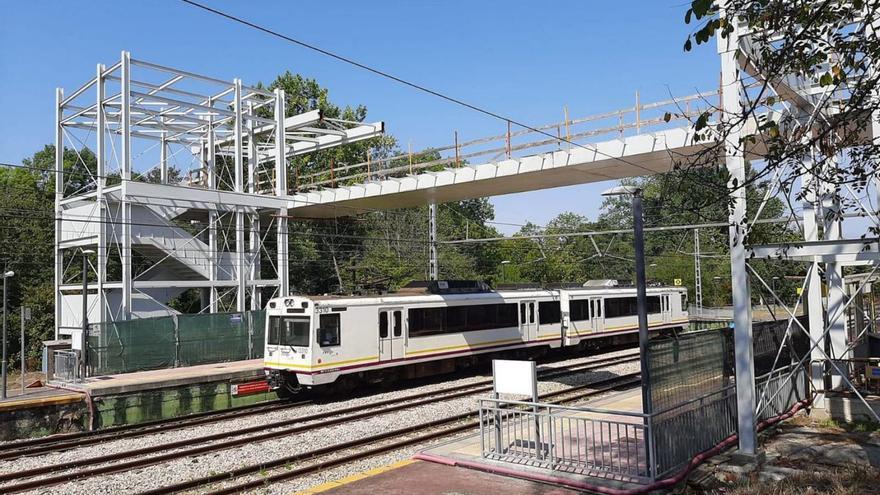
(173, 341)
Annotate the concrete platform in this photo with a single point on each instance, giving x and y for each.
(140, 381)
(39, 397)
(613, 444)
(42, 411)
(428, 478)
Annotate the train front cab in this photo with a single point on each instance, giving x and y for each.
(289, 342)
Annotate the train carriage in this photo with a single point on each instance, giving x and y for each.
(436, 326)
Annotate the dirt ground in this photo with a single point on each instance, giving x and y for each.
(801, 456)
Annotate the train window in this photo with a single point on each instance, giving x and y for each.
(383, 324)
(274, 337)
(549, 312)
(522, 312)
(291, 331)
(579, 309)
(628, 306)
(398, 323)
(506, 316)
(329, 330)
(457, 319)
(531, 312)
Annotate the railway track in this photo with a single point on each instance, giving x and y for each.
(325, 460)
(67, 441)
(136, 458)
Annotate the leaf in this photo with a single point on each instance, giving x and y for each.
(826, 79)
(667, 117)
(687, 16)
(688, 45)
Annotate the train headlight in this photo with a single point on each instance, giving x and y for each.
(288, 303)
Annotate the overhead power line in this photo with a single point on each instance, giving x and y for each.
(401, 80)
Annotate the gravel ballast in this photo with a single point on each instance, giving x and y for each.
(203, 465)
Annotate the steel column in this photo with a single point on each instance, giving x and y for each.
(698, 274)
(813, 299)
(281, 190)
(59, 195)
(834, 272)
(100, 202)
(125, 159)
(742, 304)
(256, 239)
(241, 255)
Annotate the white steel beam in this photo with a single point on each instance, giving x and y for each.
(59, 195)
(125, 159)
(241, 256)
(100, 201)
(281, 190)
(813, 307)
(732, 100)
(833, 251)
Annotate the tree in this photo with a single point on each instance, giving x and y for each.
(829, 44)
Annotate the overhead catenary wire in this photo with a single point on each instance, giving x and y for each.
(403, 81)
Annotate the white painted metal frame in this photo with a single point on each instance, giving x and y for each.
(195, 133)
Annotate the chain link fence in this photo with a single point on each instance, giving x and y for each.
(173, 341)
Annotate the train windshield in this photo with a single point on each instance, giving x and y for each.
(289, 330)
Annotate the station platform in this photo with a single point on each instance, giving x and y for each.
(467, 452)
(428, 478)
(139, 381)
(458, 467)
(131, 398)
(38, 397)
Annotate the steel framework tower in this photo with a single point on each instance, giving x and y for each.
(178, 182)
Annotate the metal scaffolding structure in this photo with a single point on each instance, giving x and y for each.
(824, 250)
(177, 181)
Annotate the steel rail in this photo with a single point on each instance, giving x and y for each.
(260, 434)
(606, 385)
(67, 441)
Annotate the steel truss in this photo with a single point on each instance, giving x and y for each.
(824, 249)
(189, 190)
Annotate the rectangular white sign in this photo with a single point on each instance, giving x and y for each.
(515, 377)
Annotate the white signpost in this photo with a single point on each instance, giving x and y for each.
(516, 378)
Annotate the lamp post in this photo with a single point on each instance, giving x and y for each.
(504, 270)
(641, 286)
(6, 274)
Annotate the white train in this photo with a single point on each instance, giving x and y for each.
(436, 327)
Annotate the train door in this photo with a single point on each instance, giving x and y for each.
(528, 320)
(597, 314)
(666, 308)
(391, 334)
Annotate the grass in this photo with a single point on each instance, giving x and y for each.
(854, 480)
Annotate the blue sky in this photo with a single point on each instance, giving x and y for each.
(525, 60)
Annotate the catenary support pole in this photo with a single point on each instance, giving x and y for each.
(642, 300)
(3, 363)
(433, 268)
(24, 315)
(728, 48)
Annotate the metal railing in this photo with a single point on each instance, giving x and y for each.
(67, 366)
(570, 439)
(625, 445)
